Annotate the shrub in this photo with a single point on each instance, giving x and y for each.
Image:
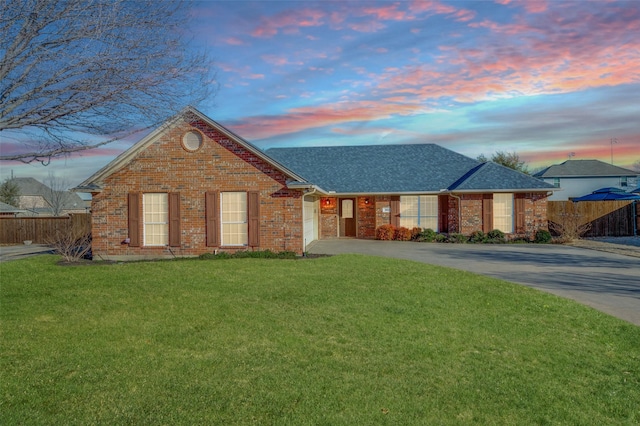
(440, 238)
(457, 238)
(415, 233)
(385, 232)
(542, 236)
(478, 237)
(427, 235)
(496, 236)
(72, 245)
(402, 234)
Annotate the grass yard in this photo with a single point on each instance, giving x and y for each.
(339, 340)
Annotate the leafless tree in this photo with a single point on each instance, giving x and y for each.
(77, 74)
(56, 194)
(636, 166)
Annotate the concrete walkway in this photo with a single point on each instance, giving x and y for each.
(605, 281)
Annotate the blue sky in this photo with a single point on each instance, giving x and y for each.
(543, 79)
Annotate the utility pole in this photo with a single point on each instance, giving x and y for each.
(613, 140)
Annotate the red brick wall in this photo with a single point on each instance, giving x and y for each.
(328, 218)
(535, 213)
(366, 217)
(219, 165)
(470, 213)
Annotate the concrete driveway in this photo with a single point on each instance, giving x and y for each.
(605, 281)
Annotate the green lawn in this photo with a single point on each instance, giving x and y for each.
(337, 340)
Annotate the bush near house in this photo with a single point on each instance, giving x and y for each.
(389, 232)
(403, 234)
(385, 232)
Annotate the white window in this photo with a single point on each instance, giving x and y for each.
(624, 181)
(233, 217)
(419, 211)
(155, 212)
(503, 212)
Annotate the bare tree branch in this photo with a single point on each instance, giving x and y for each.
(71, 70)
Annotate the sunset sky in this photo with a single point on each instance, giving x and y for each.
(542, 78)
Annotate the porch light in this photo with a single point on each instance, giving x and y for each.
(327, 201)
(366, 200)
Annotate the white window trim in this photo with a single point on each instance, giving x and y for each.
(146, 223)
(433, 218)
(508, 216)
(223, 223)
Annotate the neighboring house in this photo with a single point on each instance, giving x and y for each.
(37, 199)
(7, 210)
(192, 186)
(576, 178)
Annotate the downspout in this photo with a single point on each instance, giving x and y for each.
(304, 239)
(459, 212)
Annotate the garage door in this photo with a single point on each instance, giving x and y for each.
(310, 212)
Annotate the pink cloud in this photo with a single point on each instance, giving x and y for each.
(305, 118)
(387, 13)
(234, 41)
(288, 22)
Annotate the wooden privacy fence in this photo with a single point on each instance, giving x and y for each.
(607, 218)
(39, 230)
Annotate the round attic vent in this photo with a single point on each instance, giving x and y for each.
(192, 141)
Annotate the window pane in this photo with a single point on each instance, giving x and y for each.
(233, 215)
(503, 212)
(419, 211)
(155, 211)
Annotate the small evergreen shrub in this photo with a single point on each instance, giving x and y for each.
(542, 236)
(478, 237)
(385, 232)
(457, 239)
(427, 235)
(440, 238)
(402, 234)
(496, 236)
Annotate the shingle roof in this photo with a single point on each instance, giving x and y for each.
(31, 186)
(497, 177)
(398, 169)
(584, 168)
(8, 208)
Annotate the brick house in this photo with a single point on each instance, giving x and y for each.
(192, 186)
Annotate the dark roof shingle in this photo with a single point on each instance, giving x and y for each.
(411, 168)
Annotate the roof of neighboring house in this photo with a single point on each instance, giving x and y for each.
(8, 208)
(95, 182)
(32, 187)
(584, 168)
(399, 169)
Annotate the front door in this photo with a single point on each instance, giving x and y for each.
(348, 217)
